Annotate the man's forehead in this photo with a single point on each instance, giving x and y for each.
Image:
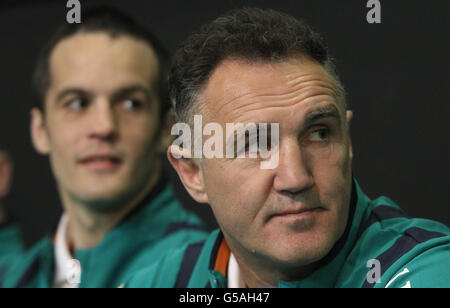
(238, 86)
(97, 57)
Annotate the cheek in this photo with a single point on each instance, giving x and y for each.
(64, 141)
(138, 136)
(64, 145)
(236, 195)
(331, 163)
(332, 177)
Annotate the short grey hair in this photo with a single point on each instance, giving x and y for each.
(249, 34)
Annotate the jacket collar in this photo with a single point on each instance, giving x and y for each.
(41, 265)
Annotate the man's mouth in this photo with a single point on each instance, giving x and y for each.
(298, 213)
(100, 162)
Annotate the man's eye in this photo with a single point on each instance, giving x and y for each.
(320, 135)
(131, 104)
(76, 104)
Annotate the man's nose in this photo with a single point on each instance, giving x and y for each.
(293, 173)
(103, 121)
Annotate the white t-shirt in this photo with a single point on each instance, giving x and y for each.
(234, 274)
(67, 269)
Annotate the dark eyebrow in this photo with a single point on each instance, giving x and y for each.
(329, 111)
(131, 89)
(72, 91)
(257, 130)
(123, 92)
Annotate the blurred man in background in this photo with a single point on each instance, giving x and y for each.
(102, 117)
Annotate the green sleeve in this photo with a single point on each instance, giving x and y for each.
(430, 269)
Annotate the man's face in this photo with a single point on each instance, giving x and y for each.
(101, 117)
(292, 214)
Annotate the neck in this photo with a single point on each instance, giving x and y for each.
(87, 227)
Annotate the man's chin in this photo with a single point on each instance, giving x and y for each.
(105, 199)
(301, 249)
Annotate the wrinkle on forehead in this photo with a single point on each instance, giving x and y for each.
(270, 101)
(237, 87)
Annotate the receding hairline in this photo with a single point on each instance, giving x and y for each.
(198, 98)
(156, 65)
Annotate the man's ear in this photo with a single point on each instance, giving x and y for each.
(349, 118)
(165, 136)
(189, 172)
(6, 173)
(39, 136)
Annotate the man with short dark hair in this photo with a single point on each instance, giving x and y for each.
(102, 119)
(304, 222)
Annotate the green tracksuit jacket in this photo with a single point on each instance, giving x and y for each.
(157, 225)
(411, 253)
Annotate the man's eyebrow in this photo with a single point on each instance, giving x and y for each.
(72, 91)
(329, 111)
(116, 95)
(123, 92)
(257, 129)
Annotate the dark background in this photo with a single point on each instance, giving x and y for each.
(396, 74)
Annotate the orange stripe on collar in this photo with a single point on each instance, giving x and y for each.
(223, 256)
